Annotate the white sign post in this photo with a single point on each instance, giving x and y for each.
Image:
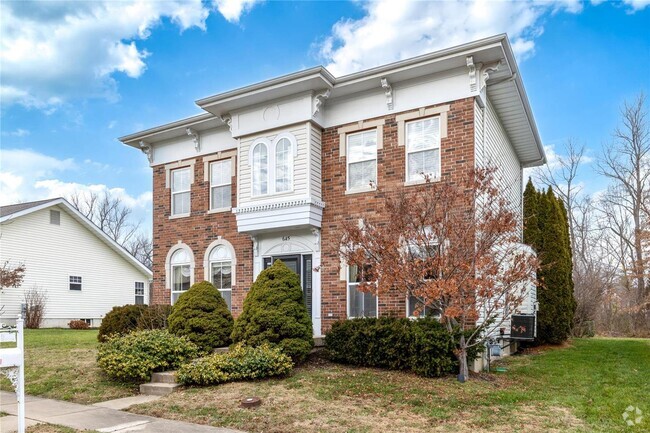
(12, 365)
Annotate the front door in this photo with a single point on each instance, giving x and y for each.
(301, 265)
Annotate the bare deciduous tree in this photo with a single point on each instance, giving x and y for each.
(141, 247)
(35, 300)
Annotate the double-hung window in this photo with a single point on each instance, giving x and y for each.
(423, 149)
(362, 160)
(220, 184)
(221, 272)
(180, 187)
(139, 292)
(360, 304)
(180, 273)
(75, 282)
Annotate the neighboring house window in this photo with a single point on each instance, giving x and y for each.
(220, 180)
(75, 282)
(423, 149)
(283, 165)
(260, 167)
(221, 272)
(362, 159)
(139, 292)
(360, 304)
(181, 191)
(55, 217)
(180, 273)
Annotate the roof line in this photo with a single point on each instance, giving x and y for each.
(85, 221)
(198, 118)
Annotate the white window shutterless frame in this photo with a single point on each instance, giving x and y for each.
(180, 270)
(283, 165)
(180, 191)
(423, 149)
(260, 168)
(221, 272)
(220, 184)
(360, 304)
(361, 157)
(272, 165)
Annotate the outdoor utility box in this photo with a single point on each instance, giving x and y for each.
(522, 327)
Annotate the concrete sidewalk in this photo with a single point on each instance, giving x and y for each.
(82, 417)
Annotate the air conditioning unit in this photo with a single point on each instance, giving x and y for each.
(522, 327)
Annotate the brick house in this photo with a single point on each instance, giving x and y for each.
(271, 170)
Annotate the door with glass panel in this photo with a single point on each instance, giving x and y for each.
(301, 265)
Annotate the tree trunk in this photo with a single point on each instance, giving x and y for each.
(463, 373)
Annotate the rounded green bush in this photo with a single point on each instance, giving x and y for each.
(240, 363)
(275, 313)
(133, 357)
(202, 315)
(120, 321)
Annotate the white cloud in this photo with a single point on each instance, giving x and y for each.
(232, 10)
(17, 133)
(55, 51)
(28, 175)
(394, 30)
(637, 5)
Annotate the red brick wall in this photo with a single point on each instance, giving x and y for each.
(457, 156)
(200, 229)
(197, 231)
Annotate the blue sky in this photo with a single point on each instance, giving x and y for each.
(115, 68)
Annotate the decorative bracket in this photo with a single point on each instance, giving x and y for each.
(487, 70)
(388, 91)
(227, 119)
(473, 85)
(195, 138)
(147, 149)
(316, 233)
(319, 100)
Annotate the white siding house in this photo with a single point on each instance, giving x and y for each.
(82, 272)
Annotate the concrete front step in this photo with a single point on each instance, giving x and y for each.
(158, 388)
(164, 377)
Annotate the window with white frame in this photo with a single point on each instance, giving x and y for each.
(362, 159)
(180, 187)
(220, 184)
(360, 304)
(260, 167)
(139, 292)
(55, 217)
(415, 307)
(180, 271)
(423, 149)
(75, 282)
(221, 272)
(283, 165)
(425, 251)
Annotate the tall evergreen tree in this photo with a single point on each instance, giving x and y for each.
(546, 230)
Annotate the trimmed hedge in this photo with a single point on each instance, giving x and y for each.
(240, 363)
(202, 315)
(133, 357)
(120, 321)
(275, 313)
(78, 324)
(423, 346)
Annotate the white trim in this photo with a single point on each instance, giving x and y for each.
(226, 161)
(279, 205)
(168, 268)
(266, 144)
(188, 191)
(438, 146)
(206, 258)
(85, 222)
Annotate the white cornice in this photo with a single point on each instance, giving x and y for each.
(262, 207)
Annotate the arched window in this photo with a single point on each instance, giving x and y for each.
(180, 270)
(221, 266)
(283, 165)
(260, 167)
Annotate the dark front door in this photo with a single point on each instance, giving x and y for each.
(301, 265)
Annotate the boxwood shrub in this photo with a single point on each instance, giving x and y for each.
(202, 315)
(275, 314)
(423, 346)
(134, 356)
(240, 363)
(120, 321)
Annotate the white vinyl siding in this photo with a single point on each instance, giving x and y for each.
(423, 149)
(180, 191)
(315, 172)
(51, 254)
(361, 159)
(220, 184)
(360, 304)
(300, 169)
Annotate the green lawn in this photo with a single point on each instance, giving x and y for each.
(584, 387)
(60, 363)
